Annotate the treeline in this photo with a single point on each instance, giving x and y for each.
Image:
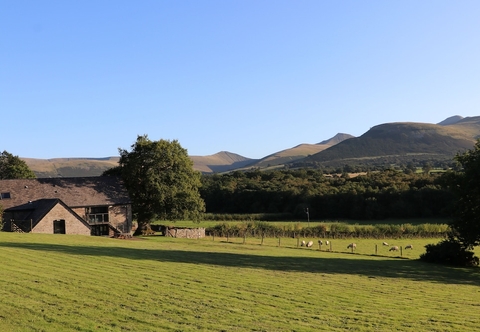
(327, 230)
(375, 195)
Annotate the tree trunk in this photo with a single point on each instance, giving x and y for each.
(144, 228)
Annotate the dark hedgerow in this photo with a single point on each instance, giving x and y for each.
(449, 252)
(331, 230)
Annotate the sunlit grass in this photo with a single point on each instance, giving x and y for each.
(62, 283)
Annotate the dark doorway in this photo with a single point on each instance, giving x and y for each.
(100, 230)
(59, 226)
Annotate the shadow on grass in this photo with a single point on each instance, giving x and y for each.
(374, 267)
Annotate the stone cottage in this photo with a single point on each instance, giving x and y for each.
(81, 205)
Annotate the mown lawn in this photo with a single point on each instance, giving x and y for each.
(76, 283)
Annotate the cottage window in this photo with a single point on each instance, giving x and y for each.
(4, 195)
(97, 214)
(59, 226)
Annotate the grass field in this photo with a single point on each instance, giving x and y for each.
(76, 283)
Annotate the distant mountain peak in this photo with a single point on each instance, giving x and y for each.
(230, 156)
(451, 120)
(336, 139)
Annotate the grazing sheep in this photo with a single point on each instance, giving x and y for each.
(385, 244)
(409, 246)
(303, 244)
(352, 246)
(327, 242)
(320, 242)
(309, 244)
(394, 248)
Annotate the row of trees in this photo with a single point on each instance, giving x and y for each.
(375, 195)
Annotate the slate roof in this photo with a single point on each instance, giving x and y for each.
(74, 192)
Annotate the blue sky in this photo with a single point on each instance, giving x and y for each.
(253, 77)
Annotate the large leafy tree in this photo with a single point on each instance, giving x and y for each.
(161, 181)
(12, 167)
(466, 184)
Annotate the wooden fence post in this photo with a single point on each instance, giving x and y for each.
(244, 237)
(375, 249)
(279, 242)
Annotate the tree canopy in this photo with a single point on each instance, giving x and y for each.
(12, 167)
(374, 195)
(161, 181)
(466, 184)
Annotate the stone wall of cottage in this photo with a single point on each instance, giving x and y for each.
(80, 211)
(119, 216)
(72, 224)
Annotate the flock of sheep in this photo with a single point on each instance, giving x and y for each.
(353, 246)
(396, 248)
(310, 243)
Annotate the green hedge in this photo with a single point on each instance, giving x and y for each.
(327, 230)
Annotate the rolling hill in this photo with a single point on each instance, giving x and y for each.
(384, 144)
(220, 162)
(75, 167)
(403, 142)
(70, 167)
(298, 152)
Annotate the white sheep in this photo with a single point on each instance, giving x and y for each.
(409, 246)
(327, 242)
(394, 248)
(385, 244)
(309, 244)
(320, 242)
(352, 246)
(303, 244)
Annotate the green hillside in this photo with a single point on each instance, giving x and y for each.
(70, 167)
(220, 162)
(299, 152)
(75, 167)
(406, 141)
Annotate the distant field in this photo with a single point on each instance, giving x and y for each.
(66, 283)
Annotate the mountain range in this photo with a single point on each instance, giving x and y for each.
(399, 142)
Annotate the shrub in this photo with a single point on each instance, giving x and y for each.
(449, 252)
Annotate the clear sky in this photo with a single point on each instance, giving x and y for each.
(253, 77)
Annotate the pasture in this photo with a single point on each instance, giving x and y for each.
(77, 283)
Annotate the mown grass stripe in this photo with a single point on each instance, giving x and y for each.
(162, 284)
